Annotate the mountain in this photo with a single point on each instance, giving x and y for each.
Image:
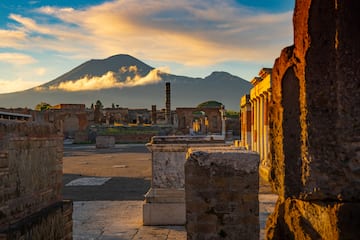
(129, 82)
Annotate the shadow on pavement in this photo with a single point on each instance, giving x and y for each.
(115, 189)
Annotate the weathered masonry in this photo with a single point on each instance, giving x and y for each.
(222, 188)
(31, 205)
(315, 125)
(165, 201)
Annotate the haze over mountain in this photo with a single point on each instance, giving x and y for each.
(128, 82)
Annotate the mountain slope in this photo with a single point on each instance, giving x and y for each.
(99, 67)
(185, 91)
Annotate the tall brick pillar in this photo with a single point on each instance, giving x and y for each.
(315, 130)
(153, 114)
(168, 103)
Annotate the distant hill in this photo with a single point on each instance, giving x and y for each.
(128, 82)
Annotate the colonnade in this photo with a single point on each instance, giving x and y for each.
(255, 131)
(260, 125)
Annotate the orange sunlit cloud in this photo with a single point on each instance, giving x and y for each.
(121, 26)
(16, 85)
(16, 58)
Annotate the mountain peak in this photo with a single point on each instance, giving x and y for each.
(99, 67)
(222, 75)
(186, 91)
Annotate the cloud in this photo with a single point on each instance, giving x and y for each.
(40, 71)
(8, 86)
(16, 58)
(12, 38)
(110, 80)
(190, 32)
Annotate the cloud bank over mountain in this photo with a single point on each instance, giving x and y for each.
(129, 82)
(109, 80)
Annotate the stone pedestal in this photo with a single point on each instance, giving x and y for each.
(165, 202)
(222, 186)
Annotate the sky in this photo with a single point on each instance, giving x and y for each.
(43, 39)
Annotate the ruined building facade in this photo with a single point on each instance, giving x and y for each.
(254, 117)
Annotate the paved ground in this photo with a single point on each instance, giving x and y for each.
(108, 187)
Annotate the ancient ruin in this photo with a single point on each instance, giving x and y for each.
(165, 201)
(222, 187)
(31, 204)
(254, 108)
(315, 131)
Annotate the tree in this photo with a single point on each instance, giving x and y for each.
(42, 106)
(99, 104)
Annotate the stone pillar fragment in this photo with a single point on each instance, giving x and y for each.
(221, 193)
(315, 131)
(316, 104)
(245, 108)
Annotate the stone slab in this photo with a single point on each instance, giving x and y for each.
(163, 214)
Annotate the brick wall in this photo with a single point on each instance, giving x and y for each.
(30, 170)
(53, 222)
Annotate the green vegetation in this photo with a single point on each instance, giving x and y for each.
(128, 130)
(42, 106)
(210, 104)
(231, 114)
(99, 104)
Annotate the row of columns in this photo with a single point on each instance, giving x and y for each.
(260, 126)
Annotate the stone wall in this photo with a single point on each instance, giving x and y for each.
(222, 186)
(315, 117)
(53, 222)
(73, 120)
(30, 170)
(105, 142)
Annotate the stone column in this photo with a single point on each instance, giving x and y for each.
(222, 186)
(254, 148)
(245, 106)
(266, 129)
(262, 127)
(258, 137)
(315, 129)
(153, 114)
